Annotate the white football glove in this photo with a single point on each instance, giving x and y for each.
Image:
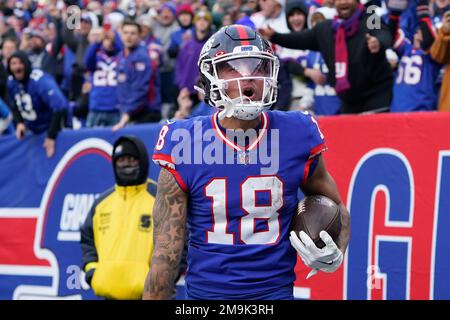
(327, 259)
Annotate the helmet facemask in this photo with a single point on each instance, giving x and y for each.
(245, 73)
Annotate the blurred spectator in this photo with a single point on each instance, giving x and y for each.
(296, 16)
(16, 22)
(409, 21)
(114, 19)
(250, 5)
(363, 79)
(138, 100)
(153, 45)
(3, 81)
(325, 101)
(187, 108)
(198, 5)
(440, 51)
(38, 55)
(78, 43)
(155, 53)
(109, 6)
(37, 102)
(117, 235)
(284, 89)
(165, 25)
(5, 30)
(226, 12)
(438, 8)
(271, 14)
(101, 61)
(185, 16)
(9, 46)
(186, 74)
(227, 19)
(5, 119)
(414, 88)
(25, 40)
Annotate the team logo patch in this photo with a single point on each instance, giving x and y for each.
(145, 222)
(246, 48)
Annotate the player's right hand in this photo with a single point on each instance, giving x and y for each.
(326, 259)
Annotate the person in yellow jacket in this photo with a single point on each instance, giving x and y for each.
(117, 235)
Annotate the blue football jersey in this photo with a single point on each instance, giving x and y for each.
(103, 78)
(415, 85)
(37, 99)
(241, 199)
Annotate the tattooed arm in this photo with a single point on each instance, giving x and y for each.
(169, 216)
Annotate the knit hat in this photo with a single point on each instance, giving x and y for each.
(203, 14)
(145, 20)
(184, 8)
(170, 6)
(125, 148)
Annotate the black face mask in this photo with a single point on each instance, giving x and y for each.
(128, 175)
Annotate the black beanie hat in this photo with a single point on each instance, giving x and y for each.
(125, 147)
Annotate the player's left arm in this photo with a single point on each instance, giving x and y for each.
(322, 183)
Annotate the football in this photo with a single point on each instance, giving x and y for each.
(317, 213)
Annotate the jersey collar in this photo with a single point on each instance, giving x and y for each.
(264, 126)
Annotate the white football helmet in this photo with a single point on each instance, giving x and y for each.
(241, 52)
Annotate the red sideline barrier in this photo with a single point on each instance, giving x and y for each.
(420, 138)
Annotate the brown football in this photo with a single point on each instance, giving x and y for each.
(317, 213)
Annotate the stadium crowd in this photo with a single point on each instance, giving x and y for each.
(77, 63)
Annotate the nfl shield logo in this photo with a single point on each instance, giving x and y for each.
(243, 157)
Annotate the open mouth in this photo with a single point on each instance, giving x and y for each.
(344, 10)
(249, 92)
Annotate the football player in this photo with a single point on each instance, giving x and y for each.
(237, 213)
